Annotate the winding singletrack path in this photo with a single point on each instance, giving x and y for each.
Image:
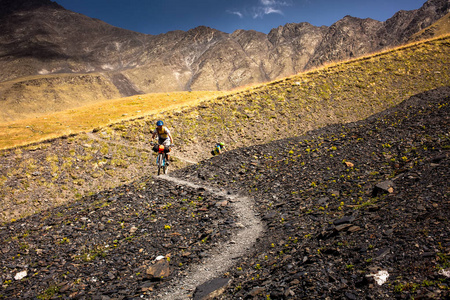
(221, 257)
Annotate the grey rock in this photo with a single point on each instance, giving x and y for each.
(383, 188)
(344, 220)
(211, 289)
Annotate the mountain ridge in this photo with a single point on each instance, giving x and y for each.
(50, 40)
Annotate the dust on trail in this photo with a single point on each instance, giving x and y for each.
(221, 257)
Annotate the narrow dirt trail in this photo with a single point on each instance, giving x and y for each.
(221, 257)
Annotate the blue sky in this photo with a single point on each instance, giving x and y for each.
(161, 16)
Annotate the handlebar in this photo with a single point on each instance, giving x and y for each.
(155, 143)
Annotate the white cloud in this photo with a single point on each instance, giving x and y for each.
(268, 2)
(271, 10)
(237, 13)
(263, 8)
(275, 3)
(260, 12)
(268, 7)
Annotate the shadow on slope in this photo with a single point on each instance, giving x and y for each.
(344, 202)
(106, 245)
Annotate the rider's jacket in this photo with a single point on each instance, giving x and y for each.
(163, 133)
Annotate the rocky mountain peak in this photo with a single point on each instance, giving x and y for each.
(203, 30)
(440, 6)
(203, 35)
(11, 6)
(201, 58)
(291, 31)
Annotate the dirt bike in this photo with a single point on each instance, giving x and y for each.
(161, 158)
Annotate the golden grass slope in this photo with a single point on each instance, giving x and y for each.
(99, 114)
(37, 95)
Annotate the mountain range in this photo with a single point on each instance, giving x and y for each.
(43, 40)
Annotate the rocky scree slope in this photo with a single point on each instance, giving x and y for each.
(44, 38)
(115, 244)
(339, 205)
(345, 202)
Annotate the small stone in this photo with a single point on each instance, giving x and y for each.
(211, 289)
(349, 164)
(382, 253)
(344, 220)
(21, 275)
(342, 227)
(222, 203)
(380, 277)
(239, 225)
(159, 271)
(354, 229)
(445, 272)
(388, 232)
(256, 291)
(295, 282)
(428, 254)
(383, 188)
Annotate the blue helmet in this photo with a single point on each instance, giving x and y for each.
(159, 123)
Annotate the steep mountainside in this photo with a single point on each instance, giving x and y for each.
(345, 212)
(440, 27)
(40, 37)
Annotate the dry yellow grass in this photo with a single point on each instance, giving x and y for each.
(23, 132)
